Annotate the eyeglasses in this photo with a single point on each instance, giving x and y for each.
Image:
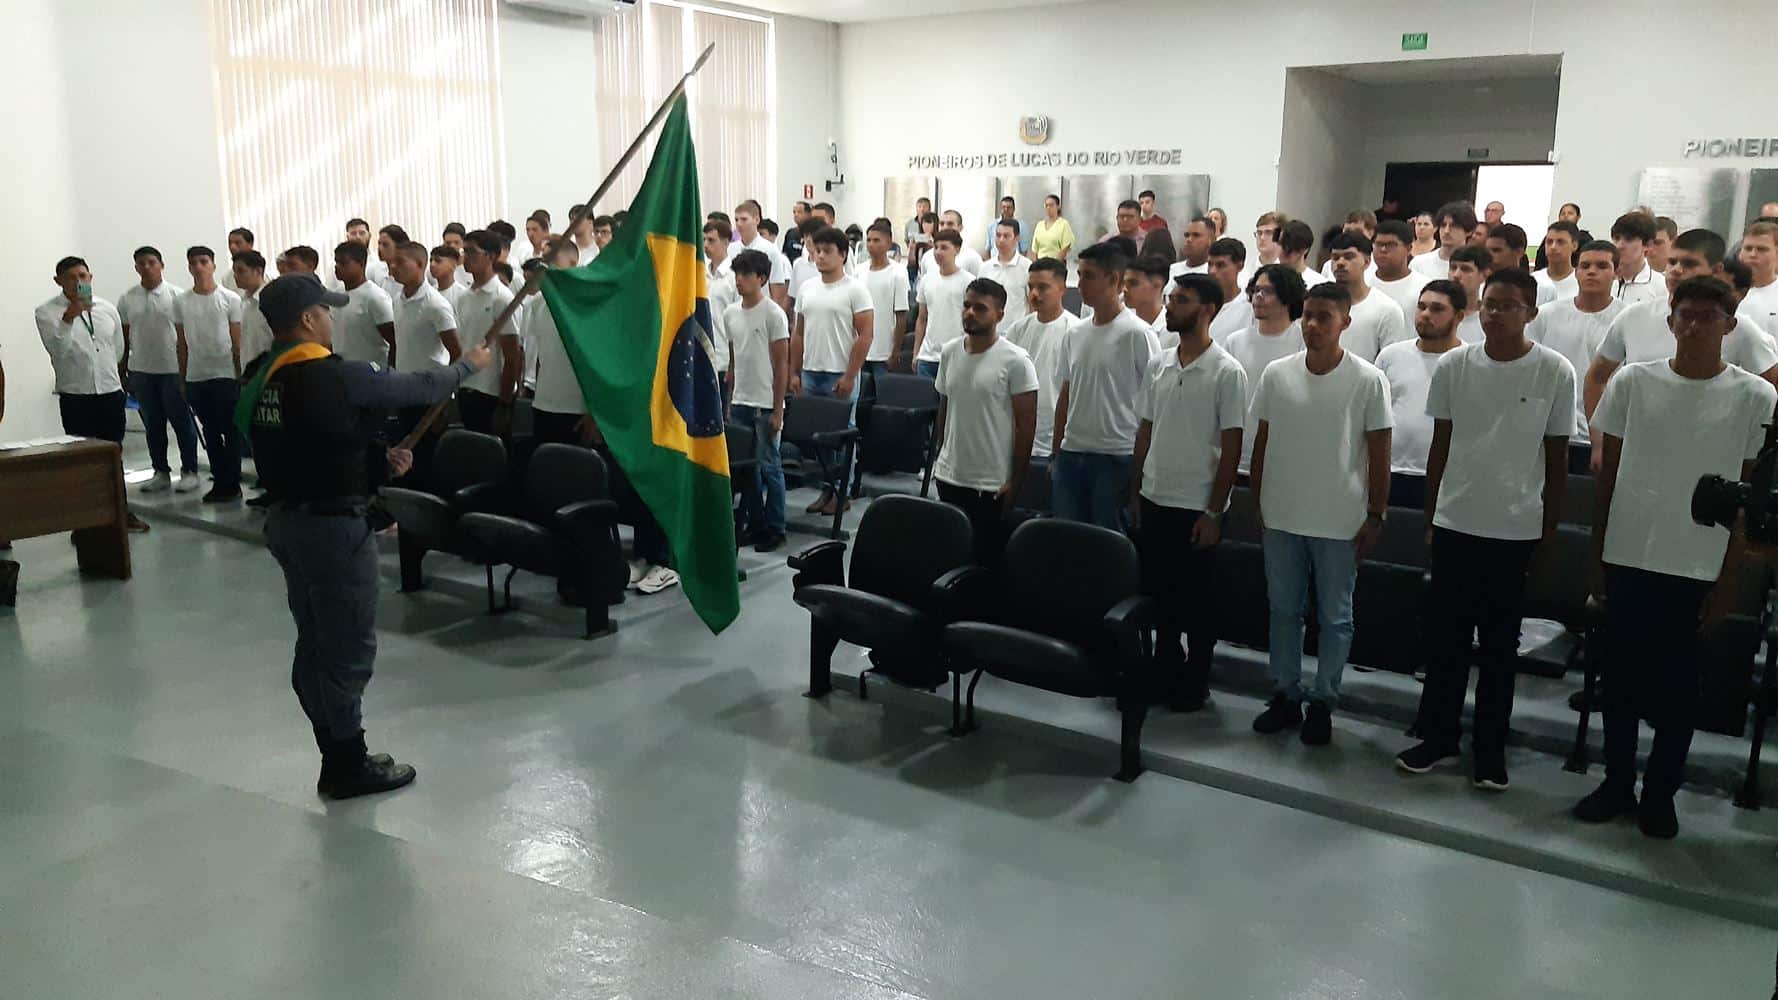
(1262, 292)
(1496, 307)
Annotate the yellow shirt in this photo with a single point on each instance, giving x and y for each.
(1052, 239)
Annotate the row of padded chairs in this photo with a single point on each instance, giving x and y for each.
(1066, 614)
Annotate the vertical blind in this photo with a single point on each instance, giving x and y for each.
(329, 109)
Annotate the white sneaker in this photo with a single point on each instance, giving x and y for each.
(188, 481)
(638, 570)
(161, 483)
(658, 579)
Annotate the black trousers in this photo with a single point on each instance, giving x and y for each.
(213, 403)
(477, 410)
(649, 542)
(555, 428)
(987, 520)
(867, 400)
(1478, 588)
(1651, 642)
(1178, 577)
(1407, 490)
(93, 416)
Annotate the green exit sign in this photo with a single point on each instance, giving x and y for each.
(1413, 43)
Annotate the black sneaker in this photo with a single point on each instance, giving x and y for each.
(323, 783)
(260, 500)
(1192, 700)
(1606, 803)
(1578, 700)
(218, 495)
(1656, 817)
(1489, 772)
(1282, 712)
(768, 542)
(1423, 758)
(368, 776)
(1317, 725)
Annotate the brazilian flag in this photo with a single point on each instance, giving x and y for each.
(636, 325)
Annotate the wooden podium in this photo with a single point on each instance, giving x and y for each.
(78, 487)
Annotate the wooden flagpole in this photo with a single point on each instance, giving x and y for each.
(413, 437)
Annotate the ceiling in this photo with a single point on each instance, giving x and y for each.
(1448, 70)
(853, 11)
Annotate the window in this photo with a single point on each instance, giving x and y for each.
(642, 53)
(329, 109)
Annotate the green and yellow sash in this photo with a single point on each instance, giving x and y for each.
(281, 354)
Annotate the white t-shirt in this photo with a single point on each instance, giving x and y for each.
(1180, 267)
(1762, 303)
(1316, 462)
(1552, 290)
(1103, 370)
(1255, 350)
(968, 260)
(976, 453)
(1676, 430)
(1404, 292)
(827, 311)
(1640, 333)
(1648, 285)
(720, 293)
(476, 312)
(1409, 371)
(1431, 265)
(209, 350)
(256, 333)
(780, 266)
(942, 295)
(1190, 406)
(1312, 277)
(1047, 343)
(355, 336)
(1500, 413)
(751, 333)
(558, 390)
(1013, 277)
(1562, 327)
(451, 294)
(151, 316)
(888, 288)
(419, 319)
(1470, 330)
(1234, 316)
(1376, 323)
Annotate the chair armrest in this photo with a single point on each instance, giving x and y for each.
(1595, 609)
(485, 498)
(1127, 620)
(965, 592)
(746, 465)
(594, 512)
(823, 562)
(834, 439)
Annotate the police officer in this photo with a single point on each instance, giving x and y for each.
(312, 417)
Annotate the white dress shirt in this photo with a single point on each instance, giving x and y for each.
(85, 361)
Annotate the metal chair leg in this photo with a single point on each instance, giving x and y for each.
(1578, 755)
(507, 587)
(490, 571)
(1749, 795)
(821, 647)
(969, 725)
(1130, 767)
(957, 705)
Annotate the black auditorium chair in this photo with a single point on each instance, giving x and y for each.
(562, 524)
(820, 428)
(1580, 498)
(428, 518)
(1557, 589)
(898, 435)
(1243, 613)
(911, 574)
(1071, 619)
(1391, 588)
(743, 473)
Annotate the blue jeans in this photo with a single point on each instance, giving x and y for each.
(926, 368)
(768, 517)
(162, 403)
(1293, 564)
(330, 572)
(213, 400)
(1089, 487)
(823, 384)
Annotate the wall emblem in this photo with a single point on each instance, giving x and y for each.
(1034, 129)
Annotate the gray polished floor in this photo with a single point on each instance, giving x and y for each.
(660, 814)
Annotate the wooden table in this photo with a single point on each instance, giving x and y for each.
(75, 487)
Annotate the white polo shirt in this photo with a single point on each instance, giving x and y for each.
(1562, 327)
(85, 361)
(1500, 413)
(1640, 333)
(1014, 277)
(1047, 343)
(1376, 323)
(976, 453)
(1189, 407)
(1235, 315)
(355, 335)
(720, 293)
(419, 319)
(209, 350)
(1255, 350)
(1316, 470)
(452, 292)
(151, 316)
(1470, 330)
(829, 331)
(476, 312)
(1404, 292)
(1674, 431)
(558, 390)
(1649, 284)
(1553, 289)
(1431, 265)
(1104, 369)
(752, 332)
(888, 288)
(942, 295)
(1409, 371)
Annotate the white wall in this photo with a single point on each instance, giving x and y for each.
(1317, 173)
(1514, 119)
(809, 88)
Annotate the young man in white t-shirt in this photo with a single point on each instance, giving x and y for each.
(1575, 326)
(365, 329)
(1665, 424)
(248, 269)
(833, 333)
(1503, 413)
(1408, 366)
(759, 343)
(1194, 249)
(1456, 221)
(425, 339)
(1759, 251)
(1636, 280)
(940, 298)
(1095, 438)
(149, 311)
(1043, 334)
(887, 282)
(209, 331)
(483, 396)
(446, 271)
(1391, 274)
(1557, 281)
(747, 234)
(987, 419)
(1227, 264)
(388, 239)
(558, 409)
(1192, 407)
(719, 286)
(1377, 321)
(1276, 294)
(1321, 478)
(1008, 269)
(1295, 240)
(1145, 283)
(968, 259)
(1470, 268)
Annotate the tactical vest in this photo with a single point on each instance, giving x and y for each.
(309, 442)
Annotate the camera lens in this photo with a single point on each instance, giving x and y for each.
(1716, 501)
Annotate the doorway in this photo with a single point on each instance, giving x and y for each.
(1423, 187)
(1524, 189)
